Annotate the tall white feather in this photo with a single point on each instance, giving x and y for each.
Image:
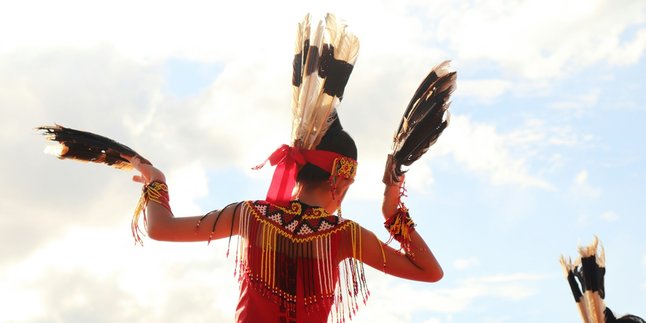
(302, 37)
(312, 108)
(309, 87)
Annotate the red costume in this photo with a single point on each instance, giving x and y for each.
(290, 266)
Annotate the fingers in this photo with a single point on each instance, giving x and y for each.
(135, 161)
(148, 172)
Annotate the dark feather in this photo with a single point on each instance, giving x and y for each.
(89, 147)
(424, 120)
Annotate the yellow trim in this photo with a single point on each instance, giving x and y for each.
(345, 167)
(383, 254)
(291, 236)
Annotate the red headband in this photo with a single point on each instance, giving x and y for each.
(288, 161)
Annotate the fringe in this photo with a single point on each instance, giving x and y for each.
(274, 257)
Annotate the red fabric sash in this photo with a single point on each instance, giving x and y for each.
(288, 160)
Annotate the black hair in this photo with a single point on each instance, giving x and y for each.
(336, 140)
(628, 318)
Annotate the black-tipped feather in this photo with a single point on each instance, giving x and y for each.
(425, 118)
(586, 279)
(89, 147)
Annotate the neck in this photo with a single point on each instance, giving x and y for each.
(318, 195)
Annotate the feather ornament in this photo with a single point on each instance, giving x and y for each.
(323, 62)
(424, 120)
(586, 277)
(88, 147)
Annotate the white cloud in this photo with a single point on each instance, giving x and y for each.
(520, 35)
(579, 103)
(480, 148)
(466, 263)
(483, 90)
(609, 216)
(477, 147)
(536, 133)
(630, 52)
(158, 282)
(188, 183)
(193, 29)
(435, 300)
(582, 188)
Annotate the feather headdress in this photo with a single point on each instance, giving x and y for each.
(585, 275)
(324, 59)
(424, 120)
(89, 147)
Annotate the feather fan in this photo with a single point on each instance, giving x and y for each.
(88, 147)
(323, 62)
(424, 120)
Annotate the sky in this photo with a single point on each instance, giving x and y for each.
(543, 153)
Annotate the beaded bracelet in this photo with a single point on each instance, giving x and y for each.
(401, 226)
(156, 191)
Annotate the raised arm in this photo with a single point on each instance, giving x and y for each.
(163, 225)
(421, 265)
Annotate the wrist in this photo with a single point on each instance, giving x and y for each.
(157, 176)
(160, 179)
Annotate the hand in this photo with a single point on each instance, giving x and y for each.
(148, 172)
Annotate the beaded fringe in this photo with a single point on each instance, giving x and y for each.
(155, 191)
(270, 258)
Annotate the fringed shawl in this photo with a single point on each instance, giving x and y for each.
(280, 247)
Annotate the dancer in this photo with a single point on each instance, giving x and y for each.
(297, 259)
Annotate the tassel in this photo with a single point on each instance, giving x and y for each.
(156, 192)
(134, 223)
(401, 226)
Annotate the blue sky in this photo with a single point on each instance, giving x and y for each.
(544, 150)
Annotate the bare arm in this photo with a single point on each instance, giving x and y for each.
(163, 225)
(421, 266)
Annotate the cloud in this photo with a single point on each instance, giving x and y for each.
(184, 29)
(466, 263)
(579, 103)
(630, 52)
(161, 282)
(415, 299)
(582, 188)
(609, 216)
(502, 158)
(483, 90)
(521, 37)
(480, 148)
(536, 133)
